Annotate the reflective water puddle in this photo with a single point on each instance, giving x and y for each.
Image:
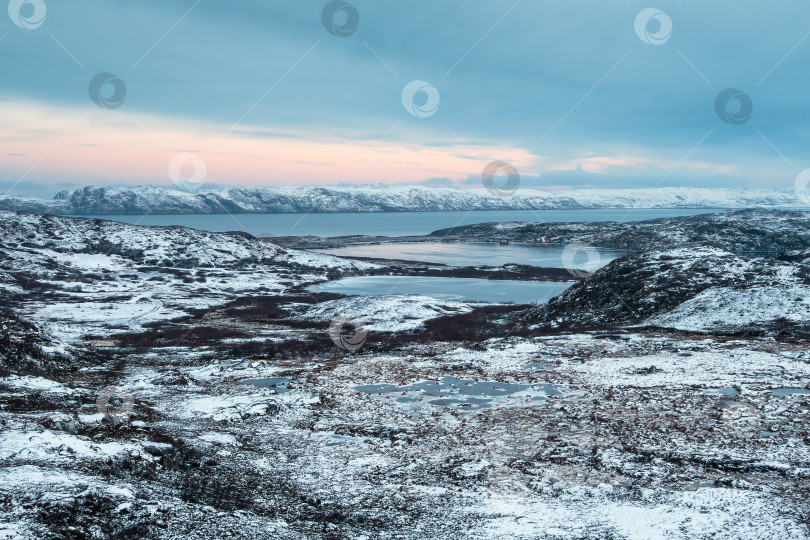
(784, 392)
(464, 394)
(279, 384)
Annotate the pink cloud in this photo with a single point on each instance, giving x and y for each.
(114, 146)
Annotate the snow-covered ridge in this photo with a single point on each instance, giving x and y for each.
(382, 198)
(95, 243)
(694, 288)
(65, 278)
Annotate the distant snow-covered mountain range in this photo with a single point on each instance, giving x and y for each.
(382, 198)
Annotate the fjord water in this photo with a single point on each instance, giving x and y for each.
(388, 223)
(458, 289)
(480, 253)
(421, 223)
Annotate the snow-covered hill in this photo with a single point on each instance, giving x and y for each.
(78, 276)
(96, 244)
(162, 381)
(381, 198)
(692, 288)
(752, 231)
(736, 272)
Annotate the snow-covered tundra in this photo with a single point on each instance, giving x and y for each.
(173, 383)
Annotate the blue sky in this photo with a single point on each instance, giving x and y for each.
(263, 94)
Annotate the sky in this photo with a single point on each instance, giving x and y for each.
(572, 94)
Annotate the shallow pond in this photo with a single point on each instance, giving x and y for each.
(279, 384)
(726, 391)
(784, 392)
(464, 394)
(460, 289)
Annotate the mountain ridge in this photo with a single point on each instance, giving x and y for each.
(139, 200)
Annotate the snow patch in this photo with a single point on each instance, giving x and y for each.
(393, 313)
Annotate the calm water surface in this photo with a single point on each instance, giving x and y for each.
(388, 223)
(462, 394)
(482, 253)
(461, 289)
(784, 392)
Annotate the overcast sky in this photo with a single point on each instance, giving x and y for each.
(572, 93)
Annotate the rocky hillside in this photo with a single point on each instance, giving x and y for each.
(37, 240)
(24, 347)
(380, 198)
(70, 277)
(747, 272)
(635, 288)
(754, 231)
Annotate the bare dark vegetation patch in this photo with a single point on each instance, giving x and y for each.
(21, 348)
(177, 334)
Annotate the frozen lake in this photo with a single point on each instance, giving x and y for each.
(460, 289)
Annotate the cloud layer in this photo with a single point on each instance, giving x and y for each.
(590, 93)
